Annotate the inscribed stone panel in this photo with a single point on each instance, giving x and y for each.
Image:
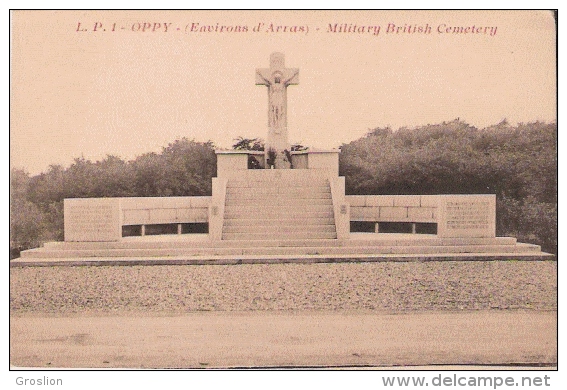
(163, 216)
(92, 219)
(467, 216)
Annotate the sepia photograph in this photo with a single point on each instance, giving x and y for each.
(284, 190)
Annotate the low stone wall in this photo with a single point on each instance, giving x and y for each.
(101, 219)
(455, 215)
(393, 208)
(146, 211)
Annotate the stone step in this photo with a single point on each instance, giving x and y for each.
(282, 221)
(280, 235)
(321, 250)
(261, 202)
(279, 191)
(278, 210)
(276, 214)
(236, 248)
(358, 240)
(279, 174)
(274, 229)
(277, 183)
(240, 259)
(291, 195)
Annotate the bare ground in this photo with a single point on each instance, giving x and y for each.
(449, 285)
(285, 315)
(284, 339)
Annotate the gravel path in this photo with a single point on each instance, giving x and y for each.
(403, 286)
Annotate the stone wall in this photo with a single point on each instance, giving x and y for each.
(182, 209)
(101, 219)
(393, 208)
(455, 215)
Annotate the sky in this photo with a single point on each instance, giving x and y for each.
(94, 83)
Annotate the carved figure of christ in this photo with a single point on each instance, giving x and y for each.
(277, 78)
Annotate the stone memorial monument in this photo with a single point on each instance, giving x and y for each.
(294, 210)
(277, 78)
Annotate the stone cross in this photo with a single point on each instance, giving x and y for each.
(277, 78)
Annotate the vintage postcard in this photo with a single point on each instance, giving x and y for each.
(283, 190)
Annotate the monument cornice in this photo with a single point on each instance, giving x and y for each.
(315, 151)
(254, 152)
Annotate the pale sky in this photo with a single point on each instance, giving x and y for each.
(125, 92)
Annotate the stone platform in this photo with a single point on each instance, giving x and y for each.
(198, 249)
(279, 205)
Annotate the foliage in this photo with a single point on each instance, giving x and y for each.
(518, 164)
(253, 163)
(249, 144)
(271, 157)
(183, 168)
(529, 220)
(287, 158)
(256, 144)
(298, 148)
(27, 225)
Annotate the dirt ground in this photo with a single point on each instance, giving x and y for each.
(389, 286)
(282, 339)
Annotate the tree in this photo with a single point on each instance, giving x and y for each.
(26, 219)
(184, 168)
(242, 143)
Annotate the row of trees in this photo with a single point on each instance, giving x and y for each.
(517, 163)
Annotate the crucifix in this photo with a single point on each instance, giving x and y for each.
(277, 78)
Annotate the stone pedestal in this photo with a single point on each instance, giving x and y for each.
(231, 162)
(234, 161)
(324, 160)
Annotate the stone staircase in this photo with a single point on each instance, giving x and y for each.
(287, 207)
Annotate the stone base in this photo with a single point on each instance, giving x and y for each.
(198, 249)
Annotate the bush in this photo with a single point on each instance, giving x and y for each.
(27, 226)
(529, 221)
(518, 164)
